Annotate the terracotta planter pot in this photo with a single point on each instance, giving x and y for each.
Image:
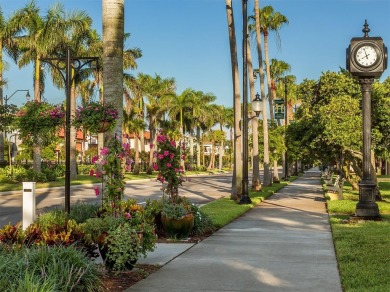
(178, 228)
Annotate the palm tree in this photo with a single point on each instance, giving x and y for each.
(237, 170)
(277, 69)
(113, 39)
(178, 104)
(270, 21)
(154, 89)
(256, 184)
(6, 45)
(222, 118)
(267, 176)
(200, 111)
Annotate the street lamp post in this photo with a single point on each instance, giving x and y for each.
(285, 128)
(245, 199)
(6, 98)
(64, 65)
(245, 181)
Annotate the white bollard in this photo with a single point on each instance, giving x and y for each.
(28, 203)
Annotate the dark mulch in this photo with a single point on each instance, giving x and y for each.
(120, 281)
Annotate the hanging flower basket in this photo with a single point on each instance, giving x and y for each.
(36, 117)
(104, 126)
(96, 117)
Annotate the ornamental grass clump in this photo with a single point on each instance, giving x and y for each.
(91, 115)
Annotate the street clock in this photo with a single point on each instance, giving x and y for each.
(366, 56)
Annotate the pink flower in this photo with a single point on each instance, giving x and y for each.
(91, 172)
(173, 143)
(166, 153)
(172, 155)
(97, 174)
(126, 146)
(169, 165)
(104, 151)
(155, 166)
(176, 170)
(127, 215)
(103, 162)
(160, 156)
(97, 191)
(94, 159)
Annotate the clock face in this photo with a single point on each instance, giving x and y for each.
(366, 56)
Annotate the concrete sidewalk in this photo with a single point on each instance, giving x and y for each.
(284, 244)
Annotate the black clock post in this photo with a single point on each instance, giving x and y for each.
(366, 60)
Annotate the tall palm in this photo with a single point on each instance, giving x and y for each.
(267, 176)
(113, 39)
(155, 88)
(7, 46)
(229, 125)
(277, 70)
(237, 170)
(256, 184)
(178, 104)
(270, 21)
(222, 119)
(207, 124)
(200, 110)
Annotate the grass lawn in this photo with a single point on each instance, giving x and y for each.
(224, 210)
(362, 249)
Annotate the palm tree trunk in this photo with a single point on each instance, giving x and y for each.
(237, 168)
(136, 158)
(142, 135)
(113, 34)
(37, 156)
(153, 140)
(270, 98)
(276, 172)
(73, 158)
(256, 184)
(267, 175)
(198, 147)
(221, 153)
(191, 138)
(1, 103)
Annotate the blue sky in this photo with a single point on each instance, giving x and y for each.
(188, 39)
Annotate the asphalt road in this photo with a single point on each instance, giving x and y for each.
(199, 189)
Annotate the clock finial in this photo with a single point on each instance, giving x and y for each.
(366, 29)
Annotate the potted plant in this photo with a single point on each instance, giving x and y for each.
(121, 239)
(176, 216)
(95, 117)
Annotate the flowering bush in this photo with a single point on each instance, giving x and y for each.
(39, 118)
(168, 165)
(90, 116)
(109, 164)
